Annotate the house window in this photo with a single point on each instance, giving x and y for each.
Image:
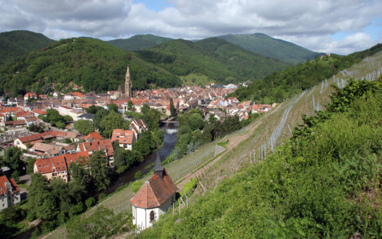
(152, 216)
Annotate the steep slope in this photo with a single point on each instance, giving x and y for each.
(215, 58)
(271, 47)
(139, 42)
(92, 63)
(18, 43)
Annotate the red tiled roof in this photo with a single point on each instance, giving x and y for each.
(154, 192)
(123, 136)
(35, 137)
(94, 135)
(40, 112)
(97, 146)
(3, 181)
(46, 165)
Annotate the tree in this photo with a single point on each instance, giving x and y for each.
(85, 127)
(102, 224)
(172, 108)
(196, 121)
(113, 107)
(91, 110)
(110, 122)
(100, 171)
(130, 105)
(145, 108)
(42, 203)
(152, 118)
(30, 166)
(99, 115)
(145, 144)
(12, 159)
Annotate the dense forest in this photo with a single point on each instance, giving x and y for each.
(91, 63)
(139, 42)
(284, 84)
(218, 59)
(267, 46)
(323, 182)
(15, 44)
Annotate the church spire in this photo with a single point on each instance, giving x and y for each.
(158, 166)
(128, 83)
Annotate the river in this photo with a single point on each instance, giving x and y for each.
(128, 176)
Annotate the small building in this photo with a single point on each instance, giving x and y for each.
(125, 138)
(9, 192)
(54, 167)
(154, 198)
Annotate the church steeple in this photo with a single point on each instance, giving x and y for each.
(128, 83)
(158, 166)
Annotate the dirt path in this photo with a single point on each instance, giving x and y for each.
(233, 143)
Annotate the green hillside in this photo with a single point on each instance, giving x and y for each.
(139, 42)
(323, 183)
(92, 63)
(267, 46)
(295, 79)
(18, 43)
(215, 58)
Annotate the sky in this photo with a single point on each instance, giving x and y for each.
(335, 26)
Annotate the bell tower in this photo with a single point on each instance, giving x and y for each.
(128, 92)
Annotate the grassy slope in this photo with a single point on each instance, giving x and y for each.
(18, 43)
(139, 42)
(271, 47)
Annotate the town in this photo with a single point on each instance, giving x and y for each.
(51, 135)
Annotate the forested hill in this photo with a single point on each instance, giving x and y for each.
(139, 42)
(284, 84)
(267, 46)
(18, 43)
(91, 63)
(214, 58)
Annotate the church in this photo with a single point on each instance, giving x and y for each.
(154, 198)
(125, 90)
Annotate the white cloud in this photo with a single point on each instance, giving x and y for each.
(308, 23)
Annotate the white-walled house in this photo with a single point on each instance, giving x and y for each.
(154, 198)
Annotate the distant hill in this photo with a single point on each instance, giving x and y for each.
(213, 57)
(295, 79)
(92, 63)
(18, 43)
(271, 47)
(139, 42)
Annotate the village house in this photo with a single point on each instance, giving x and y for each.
(154, 198)
(30, 140)
(138, 126)
(9, 192)
(47, 150)
(98, 145)
(92, 137)
(54, 167)
(125, 138)
(57, 167)
(30, 95)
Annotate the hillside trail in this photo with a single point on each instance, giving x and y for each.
(233, 142)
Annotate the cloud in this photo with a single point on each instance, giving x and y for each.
(310, 23)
